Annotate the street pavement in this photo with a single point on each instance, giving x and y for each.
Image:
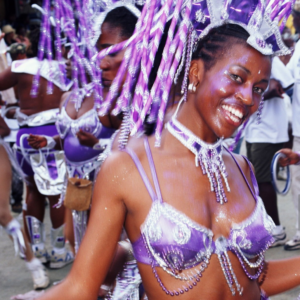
(14, 276)
(15, 279)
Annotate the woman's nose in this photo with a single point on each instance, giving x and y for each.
(245, 95)
(104, 63)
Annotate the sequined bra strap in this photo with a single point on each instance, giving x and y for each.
(252, 176)
(142, 173)
(152, 168)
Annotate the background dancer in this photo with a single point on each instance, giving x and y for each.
(186, 242)
(83, 146)
(38, 115)
(11, 225)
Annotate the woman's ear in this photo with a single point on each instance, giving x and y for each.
(196, 73)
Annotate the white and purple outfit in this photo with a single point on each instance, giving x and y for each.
(42, 123)
(81, 161)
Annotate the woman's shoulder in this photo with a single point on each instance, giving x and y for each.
(121, 159)
(245, 165)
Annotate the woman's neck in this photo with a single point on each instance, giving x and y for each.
(191, 119)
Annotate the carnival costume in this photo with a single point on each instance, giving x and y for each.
(129, 279)
(82, 161)
(47, 167)
(13, 229)
(169, 239)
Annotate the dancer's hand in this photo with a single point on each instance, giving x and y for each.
(291, 157)
(86, 139)
(37, 141)
(275, 90)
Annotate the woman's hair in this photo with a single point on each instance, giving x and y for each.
(209, 49)
(218, 41)
(122, 18)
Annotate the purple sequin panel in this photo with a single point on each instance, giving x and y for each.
(200, 16)
(273, 42)
(241, 11)
(51, 163)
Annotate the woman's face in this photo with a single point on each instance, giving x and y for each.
(111, 63)
(230, 91)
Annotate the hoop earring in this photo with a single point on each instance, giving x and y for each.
(192, 88)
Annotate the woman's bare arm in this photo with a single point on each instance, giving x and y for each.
(4, 129)
(100, 241)
(8, 79)
(281, 275)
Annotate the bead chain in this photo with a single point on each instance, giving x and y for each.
(184, 289)
(208, 157)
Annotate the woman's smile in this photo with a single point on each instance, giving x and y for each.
(233, 114)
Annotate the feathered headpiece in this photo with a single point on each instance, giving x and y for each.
(193, 19)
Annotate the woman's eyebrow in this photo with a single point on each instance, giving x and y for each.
(242, 67)
(249, 72)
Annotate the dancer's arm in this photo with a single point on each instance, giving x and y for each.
(281, 275)
(4, 129)
(100, 241)
(8, 79)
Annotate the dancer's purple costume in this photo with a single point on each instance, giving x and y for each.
(42, 123)
(81, 161)
(48, 176)
(171, 240)
(24, 162)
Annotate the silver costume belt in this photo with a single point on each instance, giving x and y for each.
(84, 168)
(38, 119)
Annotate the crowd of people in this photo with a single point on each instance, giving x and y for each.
(126, 118)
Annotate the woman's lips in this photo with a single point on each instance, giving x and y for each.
(106, 82)
(234, 115)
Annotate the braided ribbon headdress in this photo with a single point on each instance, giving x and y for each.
(80, 21)
(191, 20)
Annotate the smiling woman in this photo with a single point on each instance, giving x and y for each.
(186, 243)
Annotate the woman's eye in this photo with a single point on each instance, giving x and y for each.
(236, 78)
(113, 54)
(258, 90)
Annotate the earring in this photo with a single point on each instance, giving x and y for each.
(192, 88)
(259, 111)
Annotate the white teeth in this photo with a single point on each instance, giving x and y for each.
(234, 119)
(233, 111)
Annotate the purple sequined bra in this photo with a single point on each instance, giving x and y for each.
(68, 128)
(174, 242)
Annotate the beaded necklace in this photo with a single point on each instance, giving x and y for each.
(208, 156)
